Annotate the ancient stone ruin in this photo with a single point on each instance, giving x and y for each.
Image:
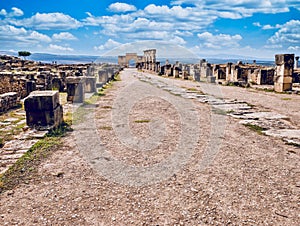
(43, 109)
(284, 72)
(280, 77)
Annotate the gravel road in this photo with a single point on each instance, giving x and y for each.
(144, 156)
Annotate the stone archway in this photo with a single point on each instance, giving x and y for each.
(124, 61)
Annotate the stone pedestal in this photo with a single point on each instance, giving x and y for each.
(75, 89)
(284, 72)
(185, 75)
(102, 76)
(211, 79)
(43, 109)
(196, 75)
(90, 84)
(176, 73)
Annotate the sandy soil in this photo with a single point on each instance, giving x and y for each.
(252, 179)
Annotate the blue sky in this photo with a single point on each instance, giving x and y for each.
(206, 28)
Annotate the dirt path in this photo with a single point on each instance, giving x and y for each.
(146, 167)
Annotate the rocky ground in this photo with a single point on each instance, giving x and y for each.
(157, 151)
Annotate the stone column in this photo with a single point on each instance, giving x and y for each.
(228, 72)
(284, 72)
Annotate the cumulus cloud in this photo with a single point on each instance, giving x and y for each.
(49, 21)
(63, 36)
(34, 35)
(218, 41)
(3, 12)
(15, 35)
(121, 7)
(269, 27)
(110, 44)
(15, 12)
(60, 48)
(294, 48)
(242, 8)
(257, 24)
(288, 34)
(273, 46)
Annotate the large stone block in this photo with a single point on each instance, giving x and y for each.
(287, 59)
(47, 118)
(42, 101)
(75, 89)
(211, 79)
(90, 84)
(43, 109)
(281, 87)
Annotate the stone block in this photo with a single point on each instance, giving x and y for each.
(102, 76)
(211, 79)
(90, 84)
(75, 89)
(281, 87)
(42, 101)
(73, 80)
(46, 118)
(287, 59)
(43, 109)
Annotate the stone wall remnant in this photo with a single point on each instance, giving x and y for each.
(8, 101)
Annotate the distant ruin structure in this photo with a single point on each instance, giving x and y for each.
(124, 61)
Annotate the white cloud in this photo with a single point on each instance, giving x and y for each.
(34, 35)
(49, 21)
(121, 7)
(14, 36)
(63, 36)
(16, 12)
(288, 34)
(257, 24)
(110, 44)
(273, 46)
(269, 27)
(8, 30)
(218, 41)
(153, 9)
(294, 48)
(241, 8)
(60, 48)
(177, 40)
(3, 12)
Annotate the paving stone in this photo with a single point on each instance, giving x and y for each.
(261, 115)
(11, 119)
(12, 156)
(284, 133)
(232, 107)
(14, 145)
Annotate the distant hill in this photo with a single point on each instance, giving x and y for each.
(76, 59)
